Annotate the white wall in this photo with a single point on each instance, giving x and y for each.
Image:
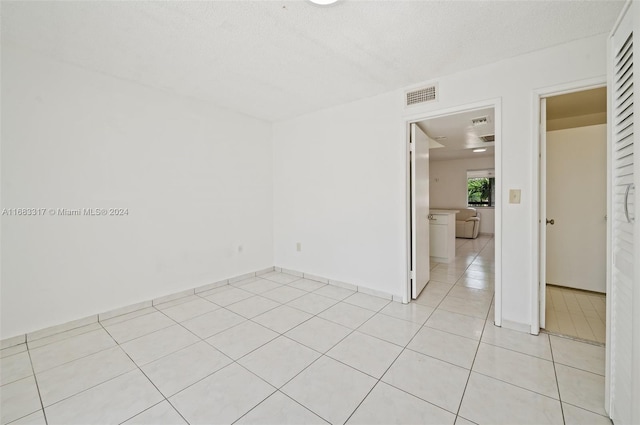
(197, 182)
(340, 175)
(338, 190)
(448, 186)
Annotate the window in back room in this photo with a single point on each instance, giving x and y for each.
(481, 188)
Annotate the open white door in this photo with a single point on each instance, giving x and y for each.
(543, 213)
(419, 163)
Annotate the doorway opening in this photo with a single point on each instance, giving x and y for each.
(573, 213)
(453, 163)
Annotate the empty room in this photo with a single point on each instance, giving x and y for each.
(315, 211)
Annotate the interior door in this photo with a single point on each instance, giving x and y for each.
(542, 272)
(577, 172)
(419, 164)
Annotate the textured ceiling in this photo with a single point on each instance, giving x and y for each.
(279, 59)
(459, 136)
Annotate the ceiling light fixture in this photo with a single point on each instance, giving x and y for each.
(323, 2)
(480, 150)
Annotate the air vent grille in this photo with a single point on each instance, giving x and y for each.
(488, 138)
(479, 121)
(426, 94)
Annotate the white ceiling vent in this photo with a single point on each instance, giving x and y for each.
(422, 95)
(479, 121)
(488, 138)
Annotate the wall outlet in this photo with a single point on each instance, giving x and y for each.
(514, 196)
(299, 247)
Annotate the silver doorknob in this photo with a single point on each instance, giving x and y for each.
(551, 222)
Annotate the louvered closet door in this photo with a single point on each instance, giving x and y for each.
(622, 227)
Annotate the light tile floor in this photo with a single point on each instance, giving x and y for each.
(576, 313)
(277, 349)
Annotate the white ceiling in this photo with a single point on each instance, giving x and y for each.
(459, 136)
(279, 59)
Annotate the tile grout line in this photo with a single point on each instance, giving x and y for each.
(378, 380)
(322, 354)
(555, 372)
(102, 327)
(252, 373)
(406, 348)
(375, 313)
(35, 379)
(148, 379)
(484, 325)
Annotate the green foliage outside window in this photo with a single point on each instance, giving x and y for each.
(480, 191)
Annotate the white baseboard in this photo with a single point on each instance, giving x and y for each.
(52, 330)
(55, 329)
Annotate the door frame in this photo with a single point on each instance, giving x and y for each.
(495, 103)
(538, 288)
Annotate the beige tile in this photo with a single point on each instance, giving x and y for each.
(242, 339)
(222, 397)
(158, 344)
(583, 330)
(396, 331)
(312, 303)
(445, 346)
(330, 389)
(347, 315)
(412, 312)
(71, 378)
(229, 296)
(534, 345)
(575, 416)
(279, 360)
(64, 335)
(282, 319)
(469, 307)
(578, 354)
(212, 323)
(565, 323)
(490, 401)
(319, 334)
(18, 399)
(253, 306)
(178, 370)
(139, 326)
(528, 372)
(36, 418)
(113, 401)
(580, 388)
(160, 414)
(403, 409)
(70, 349)
(455, 323)
(430, 379)
(190, 309)
(355, 350)
(282, 410)
(369, 302)
(15, 367)
(14, 349)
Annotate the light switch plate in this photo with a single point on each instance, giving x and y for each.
(514, 196)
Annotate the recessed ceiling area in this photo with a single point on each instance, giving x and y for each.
(279, 59)
(578, 109)
(460, 134)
